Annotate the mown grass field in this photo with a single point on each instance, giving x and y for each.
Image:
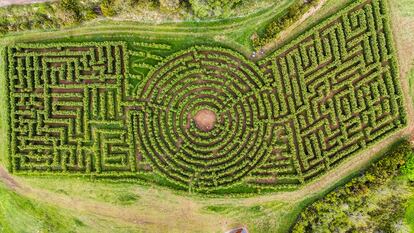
(104, 206)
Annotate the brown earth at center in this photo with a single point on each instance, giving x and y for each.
(205, 119)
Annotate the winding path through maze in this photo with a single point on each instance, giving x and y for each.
(207, 118)
(193, 81)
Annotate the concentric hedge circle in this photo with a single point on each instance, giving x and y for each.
(202, 78)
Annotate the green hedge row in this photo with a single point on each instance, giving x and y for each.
(329, 94)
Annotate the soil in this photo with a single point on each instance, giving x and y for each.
(8, 180)
(205, 119)
(149, 220)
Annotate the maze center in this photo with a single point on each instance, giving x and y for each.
(205, 119)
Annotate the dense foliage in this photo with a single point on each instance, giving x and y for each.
(408, 169)
(116, 110)
(45, 15)
(56, 14)
(212, 8)
(374, 201)
(200, 8)
(292, 15)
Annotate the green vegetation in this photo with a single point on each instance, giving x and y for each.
(102, 67)
(411, 84)
(199, 9)
(18, 214)
(292, 15)
(409, 214)
(211, 8)
(42, 16)
(374, 201)
(126, 109)
(69, 13)
(234, 31)
(266, 217)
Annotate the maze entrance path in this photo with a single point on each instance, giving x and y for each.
(207, 118)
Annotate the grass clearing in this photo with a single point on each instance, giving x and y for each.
(21, 214)
(409, 214)
(18, 214)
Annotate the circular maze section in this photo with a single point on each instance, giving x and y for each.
(200, 125)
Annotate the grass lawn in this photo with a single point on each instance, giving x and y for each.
(409, 214)
(22, 214)
(19, 214)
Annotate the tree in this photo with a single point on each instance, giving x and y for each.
(107, 8)
(69, 12)
(170, 5)
(210, 8)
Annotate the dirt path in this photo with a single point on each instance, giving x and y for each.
(270, 46)
(149, 219)
(19, 2)
(355, 163)
(405, 48)
(8, 180)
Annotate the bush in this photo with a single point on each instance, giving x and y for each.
(367, 196)
(212, 8)
(294, 12)
(107, 8)
(69, 12)
(170, 5)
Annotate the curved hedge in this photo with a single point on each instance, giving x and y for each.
(85, 108)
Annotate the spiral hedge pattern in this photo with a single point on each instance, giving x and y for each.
(204, 78)
(206, 118)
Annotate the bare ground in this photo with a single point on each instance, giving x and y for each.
(8, 180)
(159, 215)
(205, 119)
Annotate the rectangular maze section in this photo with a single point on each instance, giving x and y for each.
(281, 122)
(340, 84)
(66, 111)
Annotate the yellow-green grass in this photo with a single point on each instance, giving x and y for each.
(22, 214)
(163, 209)
(234, 32)
(409, 214)
(19, 214)
(3, 114)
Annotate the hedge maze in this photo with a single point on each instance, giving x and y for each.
(66, 108)
(339, 88)
(207, 118)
